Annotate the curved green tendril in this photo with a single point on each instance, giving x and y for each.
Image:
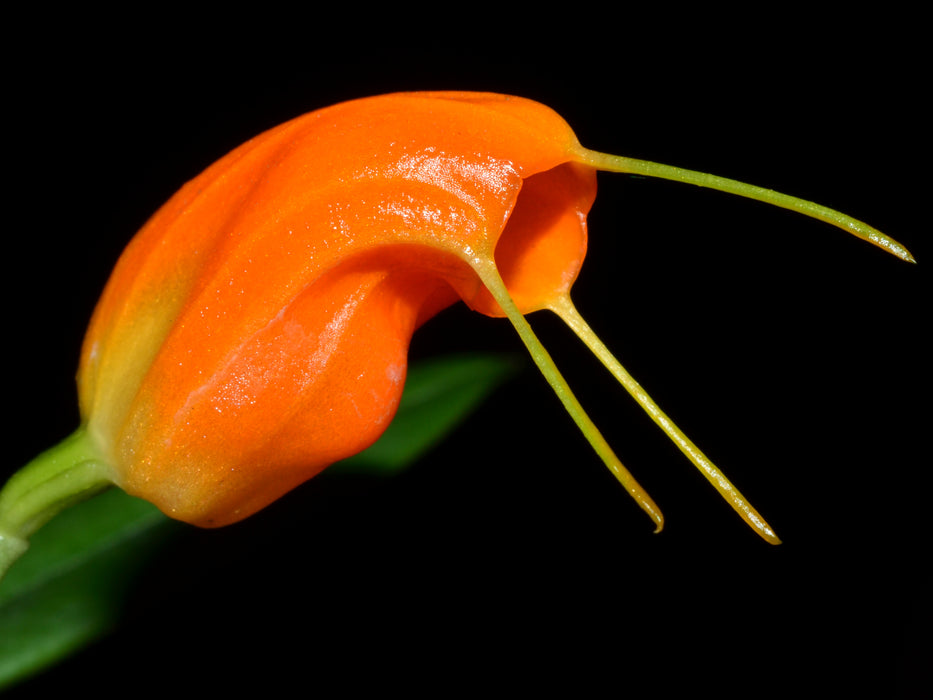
(633, 166)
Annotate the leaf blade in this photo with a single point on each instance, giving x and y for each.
(439, 394)
(68, 589)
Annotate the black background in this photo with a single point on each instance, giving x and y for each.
(509, 559)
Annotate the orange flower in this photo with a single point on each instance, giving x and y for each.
(256, 329)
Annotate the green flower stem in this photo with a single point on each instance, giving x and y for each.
(58, 478)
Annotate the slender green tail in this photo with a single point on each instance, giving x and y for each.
(859, 229)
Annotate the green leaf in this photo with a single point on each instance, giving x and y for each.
(439, 394)
(68, 589)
